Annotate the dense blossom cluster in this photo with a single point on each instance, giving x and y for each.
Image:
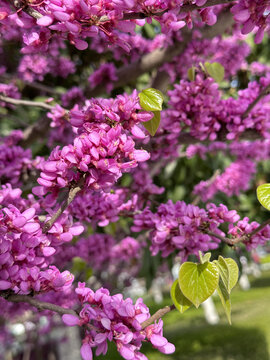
(102, 150)
(252, 14)
(232, 181)
(25, 251)
(198, 105)
(184, 228)
(14, 160)
(230, 52)
(112, 318)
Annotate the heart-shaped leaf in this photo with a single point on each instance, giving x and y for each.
(263, 195)
(151, 99)
(215, 70)
(180, 301)
(153, 124)
(198, 281)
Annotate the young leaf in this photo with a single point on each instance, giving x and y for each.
(263, 195)
(153, 124)
(204, 258)
(180, 301)
(191, 73)
(215, 70)
(198, 281)
(151, 99)
(225, 299)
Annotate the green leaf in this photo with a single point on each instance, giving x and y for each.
(228, 271)
(215, 70)
(233, 271)
(263, 195)
(191, 73)
(198, 281)
(151, 99)
(180, 301)
(153, 124)
(225, 299)
(223, 271)
(204, 258)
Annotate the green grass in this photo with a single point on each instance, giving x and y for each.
(248, 338)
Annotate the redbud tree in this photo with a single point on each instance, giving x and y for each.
(132, 134)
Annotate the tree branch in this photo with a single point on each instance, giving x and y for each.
(263, 93)
(247, 237)
(159, 314)
(220, 237)
(20, 5)
(71, 196)
(158, 57)
(30, 103)
(40, 305)
(184, 9)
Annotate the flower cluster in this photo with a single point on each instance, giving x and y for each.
(102, 150)
(198, 106)
(14, 161)
(185, 228)
(98, 207)
(106, 73)
(25, 251)
(252, 14)
(112, 318)
(232, 181)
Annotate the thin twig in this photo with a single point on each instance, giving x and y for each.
(220, 237)
(40, 305)
(30, 103)
(262, 94)
(27, 9)
(247, 237)
(159, 314)
(71, 196)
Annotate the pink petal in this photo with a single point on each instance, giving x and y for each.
(4, 285)
(31, 227)
(48, 251)
(45, 21)
(158, 340)
(167, 349)
(86, 352)
(70, 320)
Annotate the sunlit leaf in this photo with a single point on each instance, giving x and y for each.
(198, 281)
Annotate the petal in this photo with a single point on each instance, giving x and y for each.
(86, 352)
(158, 340)
(4, 285)
(70, 320)
(167, 349)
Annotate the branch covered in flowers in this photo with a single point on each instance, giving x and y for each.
(158, 57)
(40, 305)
